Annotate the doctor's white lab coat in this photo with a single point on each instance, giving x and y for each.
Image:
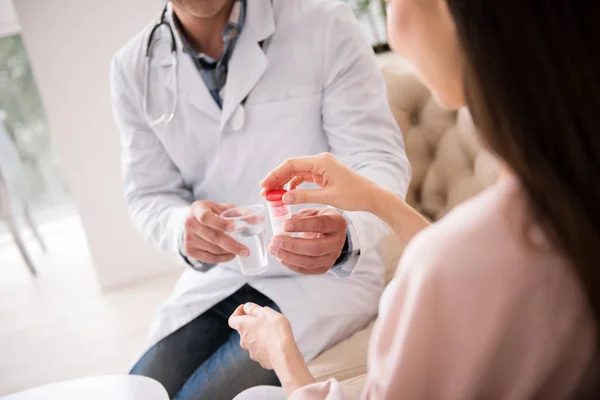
(312, 87)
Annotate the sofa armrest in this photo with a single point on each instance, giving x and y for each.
(345, 360)
(353, 388)
(393, 248)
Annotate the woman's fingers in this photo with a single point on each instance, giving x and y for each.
(253, 309)
(299, 180)
(295, 182)
(292, 184)
(294, 167)
(239, 311)
(238, 322)
(311, 196)
(341, 187)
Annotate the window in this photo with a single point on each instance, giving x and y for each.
(372, 16)
(23, 118)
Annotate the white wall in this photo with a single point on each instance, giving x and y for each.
(8, 19)
(70, 44)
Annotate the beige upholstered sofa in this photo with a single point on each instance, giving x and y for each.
(448, 167)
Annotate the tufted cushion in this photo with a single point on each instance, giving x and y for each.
(448, 163)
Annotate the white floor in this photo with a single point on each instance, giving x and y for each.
(59, 326)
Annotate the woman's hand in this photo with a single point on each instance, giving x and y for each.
(341, 187)
(264, 332)
(345, 189)
(268, 337)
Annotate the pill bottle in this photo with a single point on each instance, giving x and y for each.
(278, 212)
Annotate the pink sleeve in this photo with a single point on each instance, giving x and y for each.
(457, 326)
(452, 327)
(438, 325)
(328, 390)
(403, 343)
(400, 336)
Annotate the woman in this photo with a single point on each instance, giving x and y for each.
(501, 298)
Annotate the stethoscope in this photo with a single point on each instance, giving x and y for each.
(237, 119)
(167, 117)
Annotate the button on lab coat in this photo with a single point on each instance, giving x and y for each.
(313, 87)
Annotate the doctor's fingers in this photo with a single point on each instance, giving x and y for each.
(195, 242)
(302, 261)
(222, 240)
(304, 270)
(331, 223)
(210, 258)
(319, 246)
(210, 217)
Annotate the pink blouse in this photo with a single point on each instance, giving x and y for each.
(480, 308)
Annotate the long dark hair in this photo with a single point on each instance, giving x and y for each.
(532, 82)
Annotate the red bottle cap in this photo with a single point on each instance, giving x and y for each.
(275, 195)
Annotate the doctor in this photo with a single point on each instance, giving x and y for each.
(208, 100)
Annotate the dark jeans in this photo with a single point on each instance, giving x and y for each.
(203, 359)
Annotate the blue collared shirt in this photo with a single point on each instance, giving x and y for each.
(214, 71)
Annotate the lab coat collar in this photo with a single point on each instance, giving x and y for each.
(246, 66)
(248, 61)
(260, 24)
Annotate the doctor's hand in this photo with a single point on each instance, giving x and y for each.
(205, 238)
(341, 187)
(323, 234)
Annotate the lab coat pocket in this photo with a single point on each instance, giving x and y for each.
(284, 129)
(191, 140)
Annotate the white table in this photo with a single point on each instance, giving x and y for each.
(122, 387)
